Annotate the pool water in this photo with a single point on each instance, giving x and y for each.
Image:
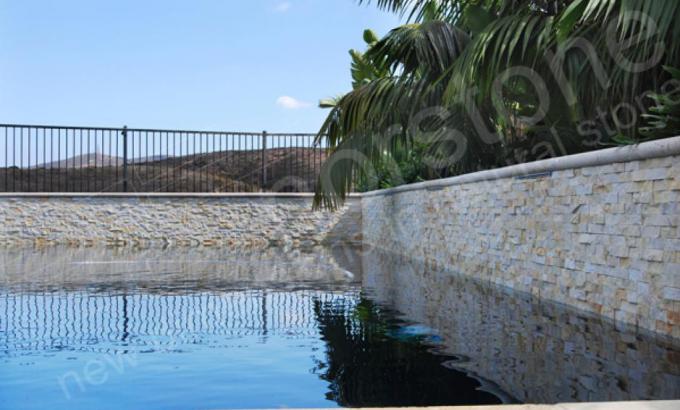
(209, 329)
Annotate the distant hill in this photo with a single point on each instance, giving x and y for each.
(96, 160)
(286, 170)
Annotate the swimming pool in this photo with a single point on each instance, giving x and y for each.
(202, 328)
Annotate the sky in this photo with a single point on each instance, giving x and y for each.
(230, 65)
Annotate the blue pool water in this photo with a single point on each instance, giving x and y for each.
(210, 329)
(149, 334)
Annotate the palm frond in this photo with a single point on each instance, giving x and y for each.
(422, 10)
(584, 57)
(426, 49)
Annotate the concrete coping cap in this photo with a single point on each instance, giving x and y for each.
(646, 150)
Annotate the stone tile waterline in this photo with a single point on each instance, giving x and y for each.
(507, 346)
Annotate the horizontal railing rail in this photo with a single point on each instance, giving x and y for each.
(54, 158)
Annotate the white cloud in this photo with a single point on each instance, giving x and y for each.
(291, 103)
(282, 7)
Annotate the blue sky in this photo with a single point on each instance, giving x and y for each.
(244, 65)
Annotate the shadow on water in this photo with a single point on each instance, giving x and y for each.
(374, 359)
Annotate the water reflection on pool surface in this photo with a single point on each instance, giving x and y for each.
(201, 328)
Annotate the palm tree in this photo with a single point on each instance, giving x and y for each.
(483, 83)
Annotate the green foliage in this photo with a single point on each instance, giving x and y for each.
(663, 118)
(370, 37)
(568, 19)
(363, 70)
(574, 62)
(401, 166)
(476, 18)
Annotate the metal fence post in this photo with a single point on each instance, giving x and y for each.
(125, 159)
(264, 165)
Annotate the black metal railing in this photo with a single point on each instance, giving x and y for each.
(39, 158)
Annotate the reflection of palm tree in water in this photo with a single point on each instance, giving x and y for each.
(372, 361)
